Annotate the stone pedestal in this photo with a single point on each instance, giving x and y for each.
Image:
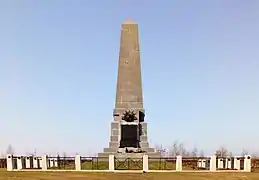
(114, 144)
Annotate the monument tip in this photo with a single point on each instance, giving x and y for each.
(129, 21)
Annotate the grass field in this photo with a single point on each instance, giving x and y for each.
(124, 176)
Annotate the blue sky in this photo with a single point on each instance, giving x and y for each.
(58, 68)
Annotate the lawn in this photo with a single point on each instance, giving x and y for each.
(125, 176)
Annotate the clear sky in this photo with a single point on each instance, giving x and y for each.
(58, 68)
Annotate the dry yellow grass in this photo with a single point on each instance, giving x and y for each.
(124, 176)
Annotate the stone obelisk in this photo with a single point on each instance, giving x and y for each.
(129, 83)
(129, 134)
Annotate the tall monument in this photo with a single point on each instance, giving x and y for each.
(128, 128)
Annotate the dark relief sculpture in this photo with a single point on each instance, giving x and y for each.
(129, 116)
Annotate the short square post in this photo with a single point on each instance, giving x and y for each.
(19, 163)
(78, 162)
(10, 162)
(237, 163)
(35, 162)
(247, 163)
(44, 163)
(179, 163)
(145, 163)
(28, 162)
(213, 163)
(111, 162)
(56, 163)
(51, 162)
(203, 163)
(220, 163)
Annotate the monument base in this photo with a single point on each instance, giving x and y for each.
(122, 156)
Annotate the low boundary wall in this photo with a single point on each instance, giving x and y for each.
(144, 164)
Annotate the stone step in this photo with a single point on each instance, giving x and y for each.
(143, 138)
(154, 155)
(114, 138)
(109, 150)
(114, 144)
(104, 156)
(144, 144)
(115, 125)
(123, 156)
(149, 150)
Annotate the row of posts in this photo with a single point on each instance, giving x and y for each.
(44, 163)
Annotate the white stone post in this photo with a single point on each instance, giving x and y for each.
(51, 163)
(199, 163)
(111, 162)
(78, 162)
(28, 162)
(179, 163)
(203, 163)
(228, 163)
(10, 162)
(247, 163)
(40, 162)
(145, 163)
(19, 163)
(44, 163)
(213, 163)
(56, 163)
(220, 163)
(237, 163)
(35, 162)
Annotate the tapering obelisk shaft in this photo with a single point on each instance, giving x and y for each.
(129, 83)
(125, 133)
